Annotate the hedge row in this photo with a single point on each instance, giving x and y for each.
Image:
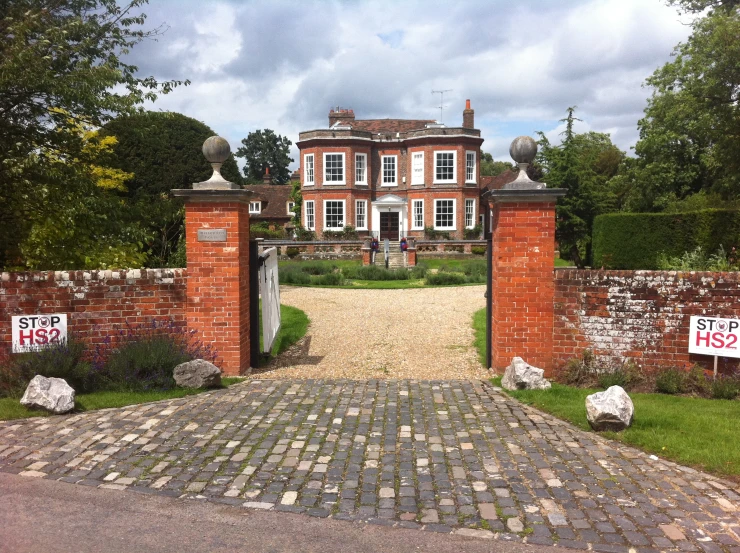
(634, 240)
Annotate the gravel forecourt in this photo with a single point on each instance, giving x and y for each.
(421, 334)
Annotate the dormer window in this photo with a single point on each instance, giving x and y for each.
(255, 207)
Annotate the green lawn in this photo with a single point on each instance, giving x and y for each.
(10, 408)
(322, 267)
(701, 433)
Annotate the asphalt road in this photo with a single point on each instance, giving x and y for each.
(45, 515)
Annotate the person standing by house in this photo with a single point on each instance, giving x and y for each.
(374, 247)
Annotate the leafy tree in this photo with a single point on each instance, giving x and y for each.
(85, 226)
(297, 196)
(689, 141)
(583, 164)
(263, 149)
(489, 167)
(162, 151)
(60, 67)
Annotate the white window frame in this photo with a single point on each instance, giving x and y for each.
(414, 203)
(453, 180)
(417, 179)
(289, 207)
(309, 170)
(363, 181)
(470, 202)
(395, 170)
(344, 170)
(475, 163)
(309, 218)
(362, 203)
(344, 214)
(454, 213)
(255, 208)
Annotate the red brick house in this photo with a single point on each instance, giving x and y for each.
(390, 177)
(271, 203)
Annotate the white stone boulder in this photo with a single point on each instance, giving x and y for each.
(611, 409)
(52, 394)
(197, 373)
(520, 375)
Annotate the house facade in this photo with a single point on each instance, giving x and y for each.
(391, 177)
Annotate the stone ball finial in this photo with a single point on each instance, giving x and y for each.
(216, 149)
(523, 149)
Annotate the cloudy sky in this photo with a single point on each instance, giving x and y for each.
(283, 64)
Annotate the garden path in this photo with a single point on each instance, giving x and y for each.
(423, 333)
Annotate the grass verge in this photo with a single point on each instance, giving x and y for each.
(479, 326)
(697, 432)
(293, 327)
(10, 408)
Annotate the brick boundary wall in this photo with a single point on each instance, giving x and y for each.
(640, 315)
(97, 303)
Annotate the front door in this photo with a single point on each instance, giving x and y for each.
(389, 225)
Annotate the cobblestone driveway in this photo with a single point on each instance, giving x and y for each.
(440, 456)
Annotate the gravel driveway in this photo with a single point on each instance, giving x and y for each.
(385, 334)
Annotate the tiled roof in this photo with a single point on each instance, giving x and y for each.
(274, 198)
(389, 125)
(497, 182)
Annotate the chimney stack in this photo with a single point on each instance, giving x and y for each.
(267, 178)
(468, 116)
(341, 116)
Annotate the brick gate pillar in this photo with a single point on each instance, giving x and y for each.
(523, 263)
(217, 239)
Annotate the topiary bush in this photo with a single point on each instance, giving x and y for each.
(292, 252)
(478, 250)
(635, 240)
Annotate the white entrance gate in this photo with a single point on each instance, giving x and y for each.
(270, 294)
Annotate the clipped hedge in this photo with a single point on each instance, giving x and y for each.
(634, 240)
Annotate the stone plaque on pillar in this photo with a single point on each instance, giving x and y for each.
(523, 262)
(217, 239)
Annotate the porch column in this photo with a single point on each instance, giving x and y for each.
(217, 239)
(523, 280)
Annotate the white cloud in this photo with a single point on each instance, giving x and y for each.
(283, 65)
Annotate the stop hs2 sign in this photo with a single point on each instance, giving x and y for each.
(714, 336)
(35, 332)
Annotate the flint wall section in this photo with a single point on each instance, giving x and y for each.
(640, 315)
